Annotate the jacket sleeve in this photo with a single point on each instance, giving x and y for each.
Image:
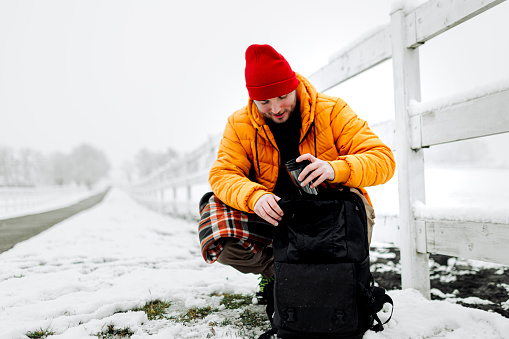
(229, 176)
(369, 160)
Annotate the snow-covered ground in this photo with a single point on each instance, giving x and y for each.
(94, 269)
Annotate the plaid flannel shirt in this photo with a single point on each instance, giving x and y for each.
(219, 221)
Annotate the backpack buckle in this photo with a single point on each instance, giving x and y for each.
(339, 316)
(291, 314)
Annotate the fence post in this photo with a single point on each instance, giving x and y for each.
(160, 188)
(414, 265)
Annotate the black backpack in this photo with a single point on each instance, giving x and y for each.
(323, 286)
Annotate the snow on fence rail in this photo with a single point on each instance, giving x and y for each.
(416, 126)
(20, 201)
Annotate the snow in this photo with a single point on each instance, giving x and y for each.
(469, 194)
(460, 194)
(115, 257)
(417, 108)
(16, 202)
(96, 268)
(416, 317)
(466, 194)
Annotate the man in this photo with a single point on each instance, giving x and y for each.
(286, 118)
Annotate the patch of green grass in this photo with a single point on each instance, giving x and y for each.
(237, 314)
(250, 323)
(234, 301)
(112, 333)
(39, 334)
(155, 309)
(226, 322)
(250, 319)
(212, 330)
(194, 314)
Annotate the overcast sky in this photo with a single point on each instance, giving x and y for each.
(122, 75)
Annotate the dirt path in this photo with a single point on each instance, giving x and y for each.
(17, 229)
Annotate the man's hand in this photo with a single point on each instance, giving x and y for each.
(318, 169)
(267, 208)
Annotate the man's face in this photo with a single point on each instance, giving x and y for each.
(278, 109)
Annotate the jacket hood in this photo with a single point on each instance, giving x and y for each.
(306, 94)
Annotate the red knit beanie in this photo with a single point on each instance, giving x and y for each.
(268, 74)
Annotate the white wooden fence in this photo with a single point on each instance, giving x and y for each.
(20, 201)
(177, 187)
(171, 189)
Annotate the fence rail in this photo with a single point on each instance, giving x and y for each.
(177, 187)
(435, 17)
(361, 56)
(464, 239)
(412, 130)
(454, 122)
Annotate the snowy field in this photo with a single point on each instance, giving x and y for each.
(94, 272)
(21, 201)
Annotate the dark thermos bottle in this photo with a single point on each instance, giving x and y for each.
(294, 168)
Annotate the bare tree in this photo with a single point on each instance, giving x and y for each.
(20, 167)
(89, 165)
(5, 166)
(59, 169)
(26, 167)
(146, 162)
(31, 167)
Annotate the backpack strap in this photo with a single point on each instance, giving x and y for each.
(376, 299)
(268, 334)
(269, 309)
(380, 299)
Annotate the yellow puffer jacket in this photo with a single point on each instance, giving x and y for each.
(330, 131)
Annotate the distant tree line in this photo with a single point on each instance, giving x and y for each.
(147, 162)
(84, 165)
